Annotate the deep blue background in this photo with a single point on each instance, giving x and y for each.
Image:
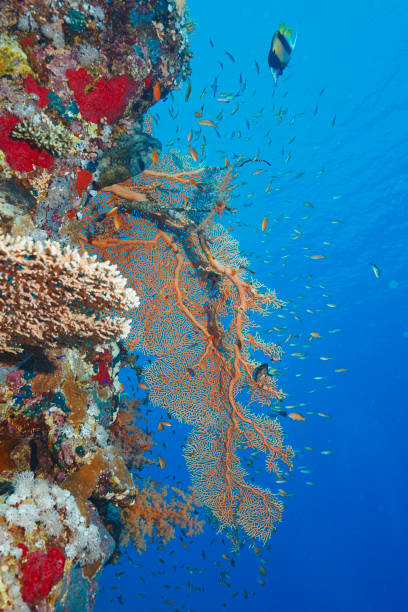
(343, 541)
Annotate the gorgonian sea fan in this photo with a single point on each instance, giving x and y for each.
(196, 301)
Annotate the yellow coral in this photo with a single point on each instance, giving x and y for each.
(13, 60)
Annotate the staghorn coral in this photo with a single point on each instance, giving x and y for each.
(195, 318)
(53, 296)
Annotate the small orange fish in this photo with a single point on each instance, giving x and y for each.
(317, 256)
(156, 91)
(193, 153)
(190, 136)
(142, 386)
(155, 157)
(295, 416)
(315, 335)
(309, 204)
(207, 122)
(162, 462)
(112, 211)
(116, 222)
(122, 387)
(226, 163)
(340, 370)
(159, 427)
(166, 423)
(264, 224)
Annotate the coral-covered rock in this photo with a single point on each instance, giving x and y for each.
(74, 78)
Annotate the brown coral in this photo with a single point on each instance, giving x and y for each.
(52, 296)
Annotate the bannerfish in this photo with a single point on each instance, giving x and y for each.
(282, 45)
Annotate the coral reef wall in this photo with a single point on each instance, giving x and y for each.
(75, 79)
(107, 247)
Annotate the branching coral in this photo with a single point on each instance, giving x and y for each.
(53, 296)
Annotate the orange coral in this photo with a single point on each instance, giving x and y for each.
(194, 317)
(152, 514)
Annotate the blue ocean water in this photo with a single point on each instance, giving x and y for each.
(343, 99)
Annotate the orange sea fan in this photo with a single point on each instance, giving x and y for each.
(196, 302)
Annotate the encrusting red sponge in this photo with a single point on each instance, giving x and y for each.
(41, 572)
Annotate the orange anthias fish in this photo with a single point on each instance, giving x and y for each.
(193, 153)
(156, 91)
(116, 222)
(207, 122)
(295, 416)
(155, 157)
(264, 224)
(162, 462)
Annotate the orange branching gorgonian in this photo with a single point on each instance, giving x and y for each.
(196, 301)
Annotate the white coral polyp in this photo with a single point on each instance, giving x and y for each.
(36, 503)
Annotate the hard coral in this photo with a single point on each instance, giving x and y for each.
(51, 296)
